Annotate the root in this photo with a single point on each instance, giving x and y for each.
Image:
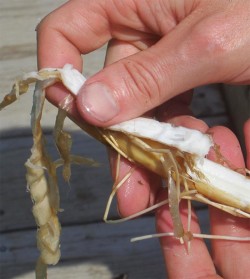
(175, 195)
(63, 143)
(229, 209)
(189, 206)
(170, 166)
(194, 235)
(174, 208)
(184, 195)
(113, 143)
(115, 188)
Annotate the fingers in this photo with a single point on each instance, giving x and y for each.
(230, 257)
(182, 59)
(176, 106)
(69, 31)
(180, 50)
(65, 34)
(118, 50)
(81, 26)
(138, 192)
(187, 53)
(180, 263)
(140, 82)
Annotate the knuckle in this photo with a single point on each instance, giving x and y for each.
(44, 25)
(143, 82)
(210, 38)
(44, 22)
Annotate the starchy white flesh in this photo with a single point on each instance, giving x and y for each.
(177, 154)
(196, 143)
(71, 78)
(223, 179)
(187, 140)
(184, 139)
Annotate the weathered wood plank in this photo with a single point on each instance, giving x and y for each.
(18, 55)
(18, 20)
(208, 105)
(23, 16)
(98, 250)
(89, 248)
(83, 200)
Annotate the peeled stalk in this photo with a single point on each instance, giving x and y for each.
(177, 154)
(213, 180)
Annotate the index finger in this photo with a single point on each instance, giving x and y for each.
(69, 31)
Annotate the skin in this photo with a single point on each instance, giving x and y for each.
(161, 50)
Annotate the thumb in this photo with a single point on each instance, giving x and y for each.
(140, 82)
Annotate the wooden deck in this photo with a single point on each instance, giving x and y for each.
(90, 248)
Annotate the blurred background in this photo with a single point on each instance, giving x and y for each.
(90, 248)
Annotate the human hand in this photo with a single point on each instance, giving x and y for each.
(163, 48)
(228, 259)
(143, 190)
(168, 47)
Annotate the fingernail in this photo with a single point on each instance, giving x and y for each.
(98, 101)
